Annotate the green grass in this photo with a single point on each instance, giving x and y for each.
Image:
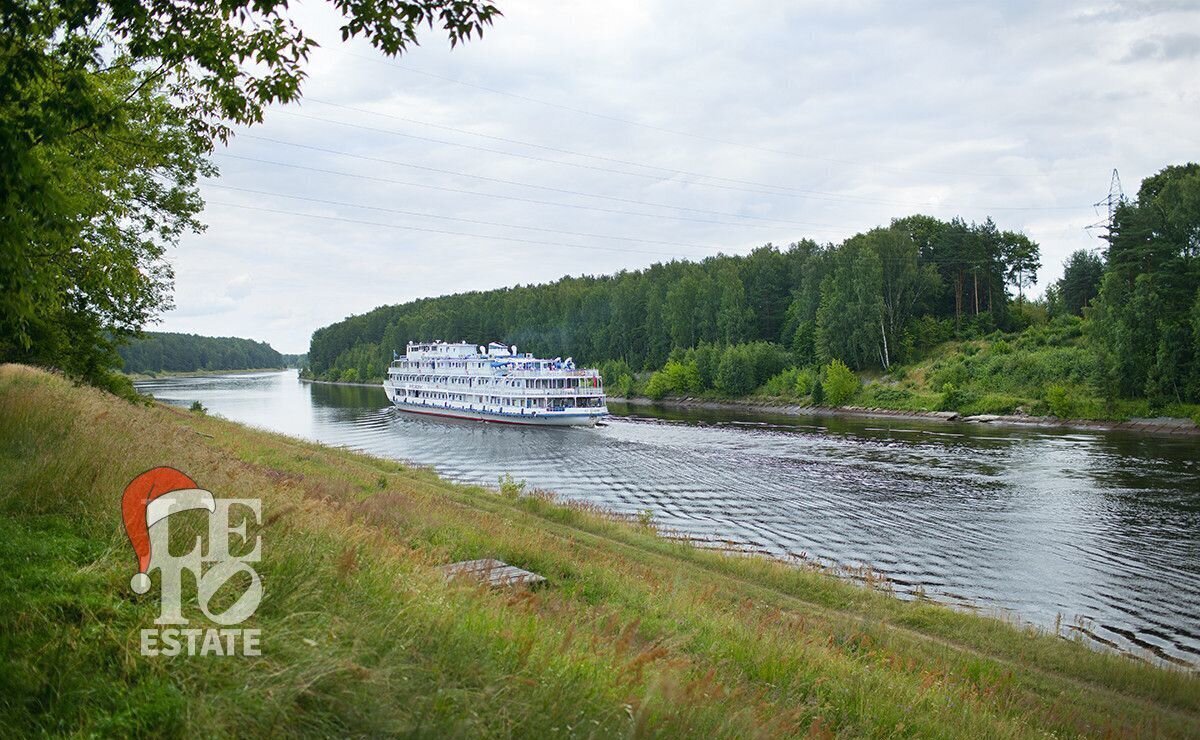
(634, 635)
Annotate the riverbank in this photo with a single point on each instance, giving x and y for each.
(202, 373)
(339, 382)
(1175, 426)
(632, 634)
(1163, 425)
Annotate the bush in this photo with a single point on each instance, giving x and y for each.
(1061, 402)
(887, 394)
(707, 358)
(806, 382)
(735, 374)
(927, 332)
(992, 403)
(767, 360)
(510, 487)
(955, 398)
(676, 378)
(840, 384)
(818, 392)
(617, 377)
(198, 407)
(783, 384)
(349, 375)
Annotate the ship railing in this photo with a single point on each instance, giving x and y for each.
(517, 373)
(501, 390)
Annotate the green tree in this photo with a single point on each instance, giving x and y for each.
(905, 285)
(735, 374)
(1080, 282)
(840, 383)
(734, 317)
(107, 110)
(676, 378)
(851, 311)
(1142, 318)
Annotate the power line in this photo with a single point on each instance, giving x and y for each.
(519, 142)
(781, 191)
(774, 222)
(342, 219)
(455, 218)
(915, 258)
(673, 132)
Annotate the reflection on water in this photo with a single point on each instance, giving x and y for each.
(1100, 528)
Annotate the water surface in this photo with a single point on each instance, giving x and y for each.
(1100, 529)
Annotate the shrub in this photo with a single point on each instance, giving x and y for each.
(952, 372)
(992, 403)
(818, 392)
(927, 332)
(1061, 401)
(707, 358)
(349, 375)
(956, 399)
(806, 381)
(887, 394)
(840, 384)
(617, 377)
(198, 407)
(735, 374)
(782, 384)
(510, 487)
(676, 378)
(767, 360)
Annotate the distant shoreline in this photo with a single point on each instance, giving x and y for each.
(203, 373)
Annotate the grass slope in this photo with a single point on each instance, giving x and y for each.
(634, 635)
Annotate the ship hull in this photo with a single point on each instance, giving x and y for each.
(539, 419)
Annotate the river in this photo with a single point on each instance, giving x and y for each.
(1099, 531)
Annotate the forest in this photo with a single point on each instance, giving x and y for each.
(1123, 322)
(158, 352)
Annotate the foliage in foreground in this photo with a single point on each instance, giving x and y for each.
(108, 110)
(634, 635)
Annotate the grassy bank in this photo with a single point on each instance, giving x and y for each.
(634, 635)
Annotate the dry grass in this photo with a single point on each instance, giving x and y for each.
(635, 634)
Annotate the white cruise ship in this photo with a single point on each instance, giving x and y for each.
(494, 383)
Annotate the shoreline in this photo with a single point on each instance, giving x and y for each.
(339, 382)
(1163, 425)
(1173, 426)
(202, 373)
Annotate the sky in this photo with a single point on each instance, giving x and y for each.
(589, 138)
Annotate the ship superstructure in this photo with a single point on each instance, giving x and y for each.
(494, 383)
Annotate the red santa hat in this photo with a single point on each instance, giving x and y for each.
(149, 498)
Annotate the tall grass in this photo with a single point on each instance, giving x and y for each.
(634, 635)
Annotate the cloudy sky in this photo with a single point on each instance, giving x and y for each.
(583, 137)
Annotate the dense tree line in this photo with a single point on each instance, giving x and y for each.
(731, 324)
(858, 301)
(1146, 319)
(164, 351)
